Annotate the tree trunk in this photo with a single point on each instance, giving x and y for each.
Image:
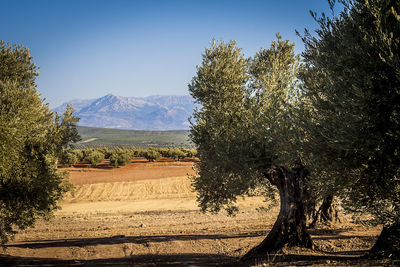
(309, 203)
(290, 227)
(388, 243)
(327, 212)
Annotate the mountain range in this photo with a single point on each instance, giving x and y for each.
(136, 113)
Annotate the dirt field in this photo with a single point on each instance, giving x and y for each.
(145, 214)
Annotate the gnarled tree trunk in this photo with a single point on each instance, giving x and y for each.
(327, 212)
(290, 227)
(309, 203)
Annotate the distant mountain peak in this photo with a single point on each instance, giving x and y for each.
(110, 96)
(157, 112)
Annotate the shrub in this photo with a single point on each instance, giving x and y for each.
(164, 152)
(86, 152)
(152, 155)
(135, 152)
(140, 152)
(191, 153)
(106, 152)
(94, 157)
(68, 157)
(177, 154)
(120, 157)
(78, 153)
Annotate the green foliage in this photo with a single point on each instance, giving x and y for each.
(120, 157)
(165, 152)
(30, 141)
(189, 153)
(16, 65)
(244, 127)
(68, 157)
(352, 105)
(176, 153)
(66, 125)
(140, 152)
(94, 157)
(106, 152)
(152, 155)
(86, 152)
(78, 153)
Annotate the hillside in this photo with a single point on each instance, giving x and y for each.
(95, 137)
(135, 113)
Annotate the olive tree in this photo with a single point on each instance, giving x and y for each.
(66, 124)
(177, 153)
(244, 135)
(31, 138)
(351, 105)
(152, 155)
(68, 157)
(120, 157)
(94, 157)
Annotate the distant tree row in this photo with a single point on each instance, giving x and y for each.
(122, 156)
(97, 145)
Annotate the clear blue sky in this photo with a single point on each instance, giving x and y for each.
(89, 48)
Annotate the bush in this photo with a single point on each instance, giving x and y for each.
(164, 152)
(68, 157)
(177, 154)
(78, 153)
(191, 153)
(152, 155)
(135, 152)
(86, 152)
(106, 152)
(140, 152)
(120, 157)
(94, 157)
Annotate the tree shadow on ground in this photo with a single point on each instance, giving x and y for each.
(289, 258)
(330, 232)
(119, 239)
(194, 259)
(139, 161)
(333, 259)
(106, 166)
(335, 234)
(136, 260)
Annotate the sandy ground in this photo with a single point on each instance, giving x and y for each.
(145, 214)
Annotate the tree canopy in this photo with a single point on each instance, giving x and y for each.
(334, 120)
(244, 134)
(351, 104)
(30, 140)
